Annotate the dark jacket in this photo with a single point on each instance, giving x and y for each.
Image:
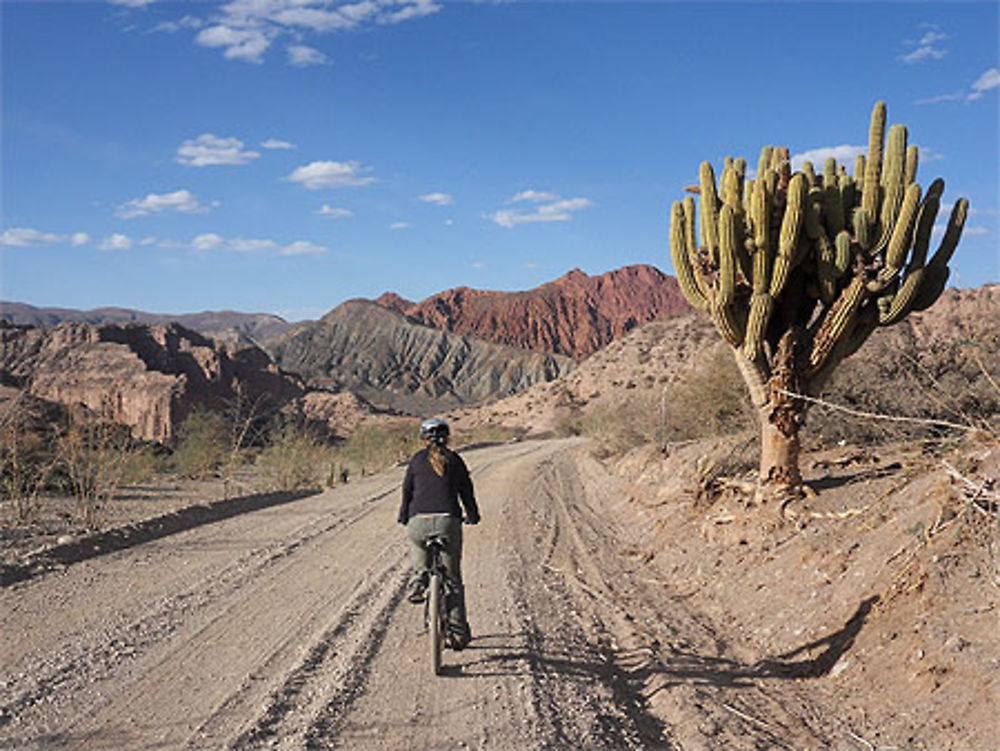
(426, 492)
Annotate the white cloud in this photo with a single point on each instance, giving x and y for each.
(317, 175)
(79, 238)
(250, 245)
(926, 52)
(928, 154)
(132, 3)
(844, 154)
(408, 10)
(449, 222)
(180, 200)
(925, 47)
(536, 196)
(334, 212)
(438, 199)
(213, 241)
(149, 240)
(208, 150)
(207, 241)
(932, 36)
(988, 80)
(302, 248)
(956, 97)
(245, 29)
(187, 22)
(302, 56)
(247, 44)
(23, 237)
(399, 225)
(274, 144)
(116, 241)
(549, 208)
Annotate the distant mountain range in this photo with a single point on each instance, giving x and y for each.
(456, 348)
(218, 324)
(574, 315)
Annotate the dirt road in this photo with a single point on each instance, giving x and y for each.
(287, 628)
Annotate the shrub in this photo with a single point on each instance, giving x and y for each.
(294, 460)
(202, 444)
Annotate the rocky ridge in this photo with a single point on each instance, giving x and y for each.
(575, 315)
(394, 363)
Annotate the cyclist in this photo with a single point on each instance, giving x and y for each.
(436, 479)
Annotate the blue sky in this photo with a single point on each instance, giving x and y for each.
(286, 155)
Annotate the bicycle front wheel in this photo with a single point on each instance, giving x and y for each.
(435, 608)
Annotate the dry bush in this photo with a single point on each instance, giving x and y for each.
(292, 460)
(203, 444)
(958, 383)
(374, 447)
(27, 452)
(96, 458)
(707, 401)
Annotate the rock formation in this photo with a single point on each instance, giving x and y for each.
(146, 377)
(575, 315)
(394, 363)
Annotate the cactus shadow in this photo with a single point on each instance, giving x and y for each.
(812, 660)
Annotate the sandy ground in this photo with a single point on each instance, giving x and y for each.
(287, 628)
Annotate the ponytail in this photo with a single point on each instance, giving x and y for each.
(438, 458)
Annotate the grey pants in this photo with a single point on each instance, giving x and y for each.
(419, 529)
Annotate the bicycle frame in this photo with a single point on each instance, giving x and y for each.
(435, 608)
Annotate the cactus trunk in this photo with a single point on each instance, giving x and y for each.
(779, 455)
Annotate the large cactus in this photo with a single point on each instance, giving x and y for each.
(797, 270)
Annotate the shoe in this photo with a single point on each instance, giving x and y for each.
(458, 642)
(418, 593)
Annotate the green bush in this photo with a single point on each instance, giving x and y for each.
(294, 460)
(202, 444)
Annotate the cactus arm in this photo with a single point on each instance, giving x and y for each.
(709, 211)
(727, 255)
(952, 234)
(912, 160)
(764, 163)
(682, 259)
(843, 252)
(788, 239)
(902, 301)
(873, 164)
(925, 225)
(902, 233)
(836, 322)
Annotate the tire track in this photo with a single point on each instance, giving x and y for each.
(91, 657)
(333, 672)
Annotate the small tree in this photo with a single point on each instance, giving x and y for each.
(27, 459)
(202, 444)
(95, 455)
(797, 270)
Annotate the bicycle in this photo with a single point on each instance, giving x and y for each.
(435, 607)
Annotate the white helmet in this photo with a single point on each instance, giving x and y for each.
(434, 430)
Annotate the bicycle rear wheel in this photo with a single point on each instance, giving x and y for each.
(435, 628)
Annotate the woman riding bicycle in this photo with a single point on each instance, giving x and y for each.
(436, 479)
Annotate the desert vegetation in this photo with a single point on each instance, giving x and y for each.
(798, 270)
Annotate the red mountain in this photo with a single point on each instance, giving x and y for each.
(575, 315)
